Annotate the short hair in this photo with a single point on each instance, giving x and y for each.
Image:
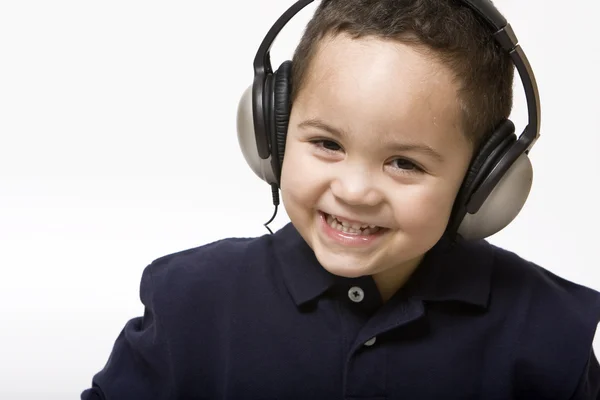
(446, 29)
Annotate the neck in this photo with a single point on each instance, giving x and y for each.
(388, 282)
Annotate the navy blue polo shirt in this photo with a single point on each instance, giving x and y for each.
(259, 318)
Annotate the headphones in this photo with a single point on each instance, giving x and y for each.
(499, 177)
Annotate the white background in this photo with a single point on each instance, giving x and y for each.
(118, 145)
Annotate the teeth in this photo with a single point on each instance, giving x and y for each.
(354, 229)
(353, 225)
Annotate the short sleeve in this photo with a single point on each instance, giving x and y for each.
(139, 366)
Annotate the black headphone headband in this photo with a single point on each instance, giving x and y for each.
(503, 34)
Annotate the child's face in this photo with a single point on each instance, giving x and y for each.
(398, 163)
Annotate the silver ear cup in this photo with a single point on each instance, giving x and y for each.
(503, 204)
(247, 141)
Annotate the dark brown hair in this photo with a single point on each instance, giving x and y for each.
(452, 33)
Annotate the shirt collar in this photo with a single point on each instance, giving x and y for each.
(451, 271)
(454, 271)
(304, 276)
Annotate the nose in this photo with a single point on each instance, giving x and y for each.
(355, 186)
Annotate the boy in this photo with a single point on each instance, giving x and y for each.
(367, 294)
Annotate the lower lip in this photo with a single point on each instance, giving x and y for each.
(348, 239)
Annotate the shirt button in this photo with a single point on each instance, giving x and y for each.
(371, 341)
(356, 294)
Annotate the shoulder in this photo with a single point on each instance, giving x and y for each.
(553, 320)
(210, 263)
(198, 279)
(542, 290)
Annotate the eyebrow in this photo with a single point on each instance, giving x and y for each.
(400, 147)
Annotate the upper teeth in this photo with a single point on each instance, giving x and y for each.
(353, 225)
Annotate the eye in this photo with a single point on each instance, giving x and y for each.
(406, 165)
(327, 145)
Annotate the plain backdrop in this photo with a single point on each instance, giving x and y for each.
(118, 145)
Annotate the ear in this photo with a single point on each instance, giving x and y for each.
(503, 204)
(247, 139)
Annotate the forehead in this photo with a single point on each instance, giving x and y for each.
(380, 86)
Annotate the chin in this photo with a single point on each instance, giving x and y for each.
(343, 265)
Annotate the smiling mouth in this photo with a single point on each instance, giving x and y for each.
(352, 228)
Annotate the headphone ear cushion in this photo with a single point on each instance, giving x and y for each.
(282, 107)
(489, 152)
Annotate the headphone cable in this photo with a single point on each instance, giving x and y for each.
(275, 192)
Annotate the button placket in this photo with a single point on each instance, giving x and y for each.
(365, 376)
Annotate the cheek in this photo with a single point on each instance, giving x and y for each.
(301, 180)
(292, 164)
(425, 207)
